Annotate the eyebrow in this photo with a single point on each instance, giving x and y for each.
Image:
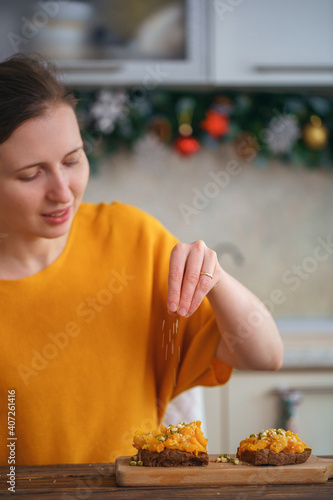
(36, 164)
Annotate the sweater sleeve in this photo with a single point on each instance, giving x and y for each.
(184, 348)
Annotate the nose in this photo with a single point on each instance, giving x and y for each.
(58, 188)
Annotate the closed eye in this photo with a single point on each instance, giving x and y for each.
(30, 178)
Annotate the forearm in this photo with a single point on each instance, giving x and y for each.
(249, 335)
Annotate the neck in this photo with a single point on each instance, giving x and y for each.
(19, 259)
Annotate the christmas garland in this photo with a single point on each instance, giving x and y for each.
(292, 127)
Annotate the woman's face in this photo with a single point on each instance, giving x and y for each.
(43, 174)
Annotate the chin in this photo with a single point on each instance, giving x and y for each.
(57, 232)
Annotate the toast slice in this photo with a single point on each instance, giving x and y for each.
(269, 457)
(172, 458)
(172, 446)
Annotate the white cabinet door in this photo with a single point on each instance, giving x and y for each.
(98, 42)
(270, 42)
(248, 404)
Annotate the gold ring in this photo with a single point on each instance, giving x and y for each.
(207, 274)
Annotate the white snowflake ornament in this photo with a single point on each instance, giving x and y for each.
(109, 107)
(281, 134)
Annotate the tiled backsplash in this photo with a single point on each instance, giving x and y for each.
(272, 227)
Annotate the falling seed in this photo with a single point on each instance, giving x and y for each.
(163, 324)
(176, 325)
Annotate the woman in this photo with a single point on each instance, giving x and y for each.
(105, 317)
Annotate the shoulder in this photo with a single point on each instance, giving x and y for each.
(115, 212)
(120, 218)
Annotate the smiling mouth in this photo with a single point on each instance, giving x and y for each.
(57, 214)
(58, 217)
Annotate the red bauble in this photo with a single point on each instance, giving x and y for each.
(215, 123)
(187, 146)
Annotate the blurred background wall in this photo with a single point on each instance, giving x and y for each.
(266, 224)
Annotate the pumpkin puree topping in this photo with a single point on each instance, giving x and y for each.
(276, 440)
(183, 437)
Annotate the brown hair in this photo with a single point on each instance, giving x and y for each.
(28, 86)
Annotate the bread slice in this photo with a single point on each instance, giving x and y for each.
(173, 446)
(269, 457)
(172, 458)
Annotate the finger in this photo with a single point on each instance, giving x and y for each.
(191, 276)
(205, 282)
(177, 266)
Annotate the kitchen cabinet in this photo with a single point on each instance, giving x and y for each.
(235, 43)
(97, 42)
(250, 403)
(272, 43)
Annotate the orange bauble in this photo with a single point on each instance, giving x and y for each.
(247, 145)
(161, 127)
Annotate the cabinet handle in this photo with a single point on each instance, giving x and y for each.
(291, 69)
(321, 389)
(88, 65)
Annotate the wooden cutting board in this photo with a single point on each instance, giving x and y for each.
(314, 470)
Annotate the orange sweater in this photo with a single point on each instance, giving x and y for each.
(89, 348)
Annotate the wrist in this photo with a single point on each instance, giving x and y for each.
(220, 277)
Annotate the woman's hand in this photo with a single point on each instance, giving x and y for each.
(249, 339)
(188, 283)
(249, 336)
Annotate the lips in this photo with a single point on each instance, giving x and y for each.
(58, 216)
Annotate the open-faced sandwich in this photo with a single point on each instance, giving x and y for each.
(172, 446)
(273, 447)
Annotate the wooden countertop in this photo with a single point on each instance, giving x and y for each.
(85, 481)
